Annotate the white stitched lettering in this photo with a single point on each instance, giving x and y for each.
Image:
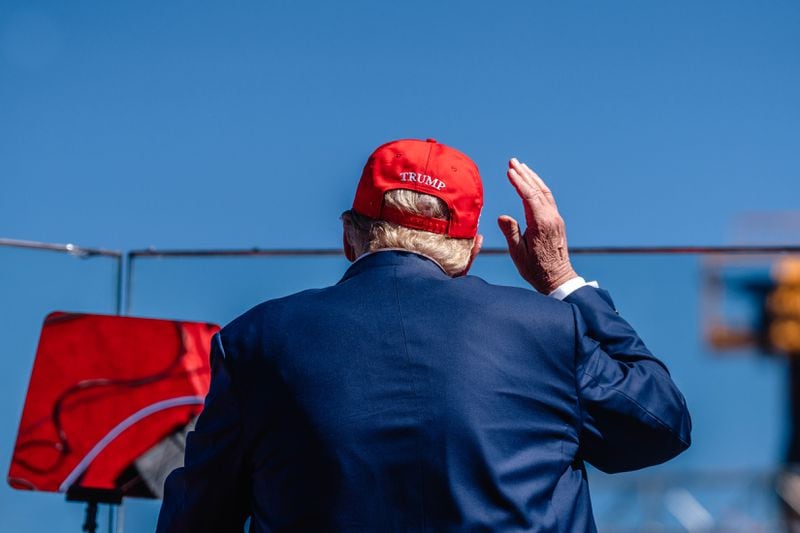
(422, 179)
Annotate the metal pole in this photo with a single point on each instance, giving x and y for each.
(90, 521)
(121, 517)
(110, 518)
(128, 282)
(54, 247)
(119, 291)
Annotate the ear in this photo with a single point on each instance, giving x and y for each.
(349, 253)
(476, 248)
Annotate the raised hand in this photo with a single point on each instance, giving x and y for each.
(540, 253)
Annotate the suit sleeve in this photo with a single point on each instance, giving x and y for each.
(633, 413)
(209, 493)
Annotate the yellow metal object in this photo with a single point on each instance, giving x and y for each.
(783, 307)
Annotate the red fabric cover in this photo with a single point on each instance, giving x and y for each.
(92, 372)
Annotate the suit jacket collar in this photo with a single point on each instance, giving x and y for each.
(407, 260)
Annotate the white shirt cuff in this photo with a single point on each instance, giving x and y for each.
(568, 287)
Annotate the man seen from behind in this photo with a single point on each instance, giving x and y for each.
(411, 396)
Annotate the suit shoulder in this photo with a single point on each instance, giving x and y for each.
(508, 293)
(249, 328)
(267, 309)
(514, 305)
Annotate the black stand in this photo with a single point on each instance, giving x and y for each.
(90, 523)
(93, 497)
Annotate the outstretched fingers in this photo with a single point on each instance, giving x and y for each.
(521, 184)
(534, 177)
(528, 184)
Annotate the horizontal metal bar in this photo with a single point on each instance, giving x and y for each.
(277, 252)
(590, 250)
(687, 250)
(78, 251)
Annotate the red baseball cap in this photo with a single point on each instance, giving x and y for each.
(427, 167)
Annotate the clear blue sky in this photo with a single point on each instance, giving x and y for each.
(184, 123)
(239, 124)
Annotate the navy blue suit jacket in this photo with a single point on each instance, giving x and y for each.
(401, 399)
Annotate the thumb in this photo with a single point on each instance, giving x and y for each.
(510, 229)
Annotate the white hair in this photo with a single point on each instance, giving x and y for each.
(368, 235)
